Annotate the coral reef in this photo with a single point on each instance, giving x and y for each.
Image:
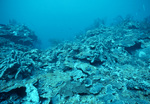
(107, 65)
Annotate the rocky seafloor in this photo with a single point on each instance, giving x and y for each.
(106, 65)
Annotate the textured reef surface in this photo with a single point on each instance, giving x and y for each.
(106, 65)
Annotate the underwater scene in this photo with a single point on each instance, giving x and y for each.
(74, 51)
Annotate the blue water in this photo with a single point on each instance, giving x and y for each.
(63, 19)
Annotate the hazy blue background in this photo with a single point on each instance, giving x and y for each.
(62, 19)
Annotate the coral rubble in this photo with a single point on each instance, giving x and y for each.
(107, 65)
